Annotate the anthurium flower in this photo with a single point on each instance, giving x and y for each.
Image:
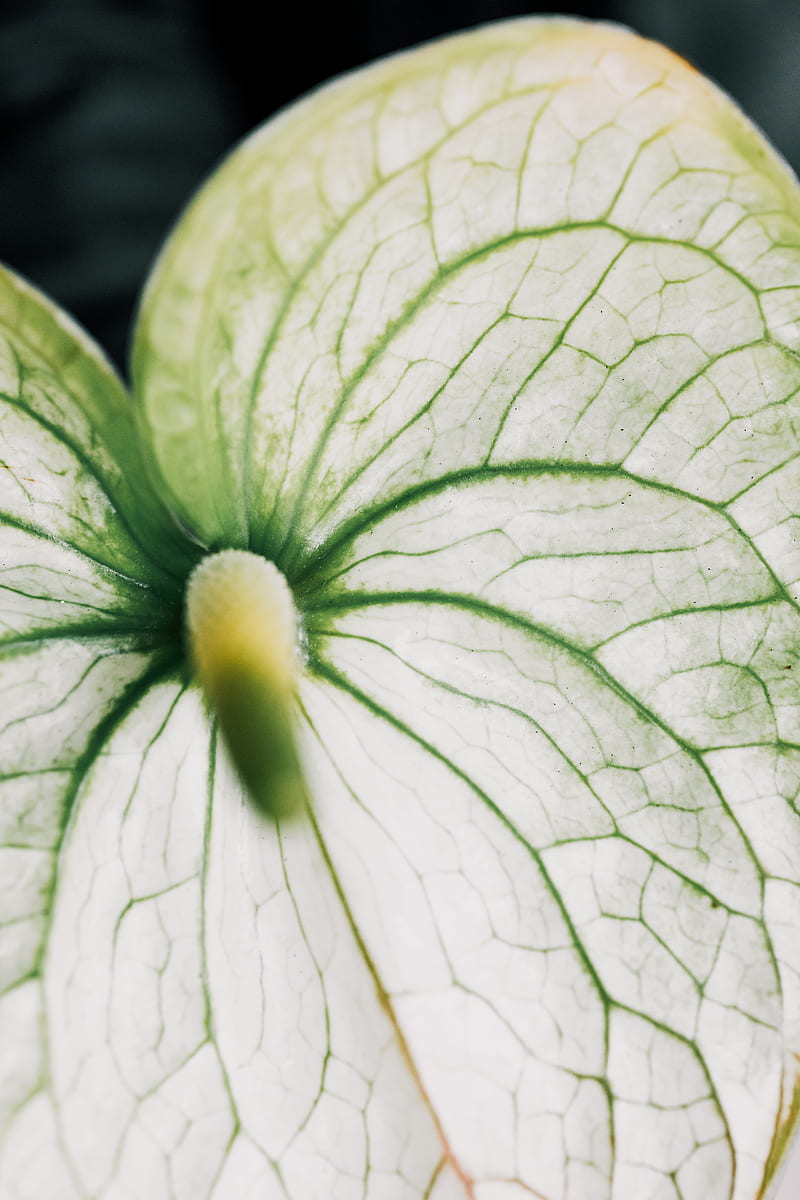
(472, 383)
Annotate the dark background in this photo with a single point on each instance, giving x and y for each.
(112, 111)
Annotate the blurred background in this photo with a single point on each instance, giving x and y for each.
(112, 111)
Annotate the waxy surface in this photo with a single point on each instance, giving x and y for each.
(495, 350)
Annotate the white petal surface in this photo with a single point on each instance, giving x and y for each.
(86, 619)
(493, 349)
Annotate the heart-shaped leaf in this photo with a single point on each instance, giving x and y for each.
(494, 349)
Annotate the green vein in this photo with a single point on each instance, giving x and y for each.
(325, 671)
(93, 471)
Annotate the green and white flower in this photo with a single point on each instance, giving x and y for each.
(493, 350)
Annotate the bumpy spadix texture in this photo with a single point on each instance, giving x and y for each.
(494, 350)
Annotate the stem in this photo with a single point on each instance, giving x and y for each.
(243, 635)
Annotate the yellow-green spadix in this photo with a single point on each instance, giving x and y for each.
(242, 628)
